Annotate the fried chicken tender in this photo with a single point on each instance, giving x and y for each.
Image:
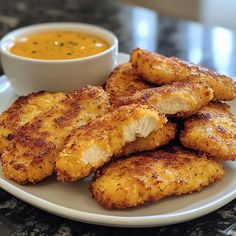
(160, 70)
(91, 146)
(22, 111)
(123, 82)
(149, 177)
(154, 140)
(182, 99)
(212, 131)
(31, 155)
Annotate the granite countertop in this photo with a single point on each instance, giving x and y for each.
(134, 27)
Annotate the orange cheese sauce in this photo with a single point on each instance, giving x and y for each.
(59, 45)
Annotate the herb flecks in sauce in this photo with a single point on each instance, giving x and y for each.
(56, 45)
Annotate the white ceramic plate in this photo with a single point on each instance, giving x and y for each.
(74, 201)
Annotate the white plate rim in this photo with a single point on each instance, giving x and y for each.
(116, 221)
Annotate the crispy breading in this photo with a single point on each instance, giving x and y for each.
(124, 81)
(31, 155)
(158, 69)
(149, 177)
(181, 99)
(92, 145)
(212, 131)
(22, 111)
(154, 140)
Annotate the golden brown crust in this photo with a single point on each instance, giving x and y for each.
(94, 144)
(148, 177)
(212, 131)
(124, 81)
(160, 70)
(22, 111)
(181, 99)
(154, 140)
(31, 155)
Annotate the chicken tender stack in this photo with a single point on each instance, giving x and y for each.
(119, 134)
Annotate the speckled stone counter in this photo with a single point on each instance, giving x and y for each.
(134, 27)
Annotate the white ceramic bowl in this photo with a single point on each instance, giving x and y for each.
(28, 75)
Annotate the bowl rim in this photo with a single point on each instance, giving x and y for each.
(29, 28)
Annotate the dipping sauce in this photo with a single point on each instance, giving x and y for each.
(59, 45)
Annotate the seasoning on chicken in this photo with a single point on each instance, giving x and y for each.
(154, 140)
(31, 155)
(212, 131)
(158, 69)
(123, 82)
(181, 98)
(149, 177)
(92, 145)
(22, 111)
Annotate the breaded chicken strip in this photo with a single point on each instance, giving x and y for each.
(124, 81)
(160, 70)
(23, 110)
(31, 155)
(148, 177)
(212, 131)
(182, 99)
(91, 146)
(154, 140)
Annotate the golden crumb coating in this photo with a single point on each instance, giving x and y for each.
(148, 177)
(22, 111)
(124, 81)
(212, 131)
(31, 155)
(181, 99)
(158, 69)
(154, 140)
(92, 145)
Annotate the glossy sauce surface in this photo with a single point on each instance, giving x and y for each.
(59, 45)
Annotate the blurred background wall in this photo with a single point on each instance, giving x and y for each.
(210, 12)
